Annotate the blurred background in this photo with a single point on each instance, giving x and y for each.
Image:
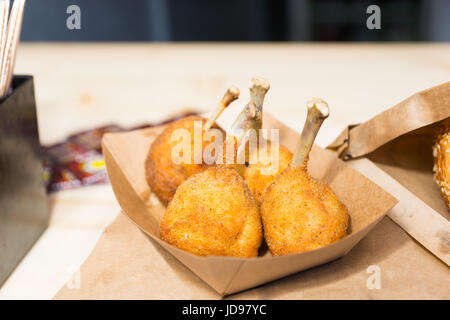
(237, 20)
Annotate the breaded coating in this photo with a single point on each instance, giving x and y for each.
(262, 169)
(162, 174)
(300, 213)
(214, 213)
(229, 154)
(441, 154)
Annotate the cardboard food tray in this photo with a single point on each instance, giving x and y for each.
(125, 154)
(394, 149)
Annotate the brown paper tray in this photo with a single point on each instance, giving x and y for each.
(125, 154)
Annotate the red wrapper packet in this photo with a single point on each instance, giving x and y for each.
(86, 165)
(92, 139)
(47, 173)
(63, 179)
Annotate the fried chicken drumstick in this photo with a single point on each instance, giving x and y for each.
(262, 164)
(441, 154)
(300, 213)
(162, 173)
(214, 213)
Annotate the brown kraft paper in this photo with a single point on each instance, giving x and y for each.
(129, 264)
(125, 154)
(399, 142)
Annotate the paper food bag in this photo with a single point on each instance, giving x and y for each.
(125, 155)
(399, 142)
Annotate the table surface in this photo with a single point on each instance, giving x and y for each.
(80, 86)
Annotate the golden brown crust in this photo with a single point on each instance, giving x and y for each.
(262, 169)
(213, 213)
(441, 154)
(300, 213)
(162, 174)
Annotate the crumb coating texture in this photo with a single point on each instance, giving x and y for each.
(162, 174)
(300, 213)
(441, 154)
(214, 213)
(261, 167)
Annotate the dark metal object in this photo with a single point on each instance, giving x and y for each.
(23, 202)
